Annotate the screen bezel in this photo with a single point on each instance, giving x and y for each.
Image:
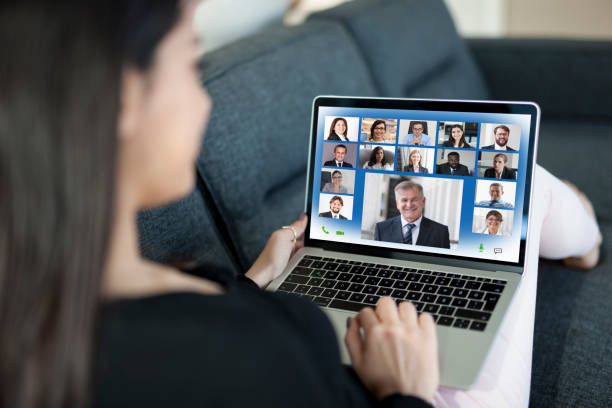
(521, 108)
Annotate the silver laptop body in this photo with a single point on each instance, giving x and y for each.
(475, 260)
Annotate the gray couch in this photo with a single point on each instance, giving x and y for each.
(252, 168)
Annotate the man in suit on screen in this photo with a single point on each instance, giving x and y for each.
(339, 154)
(335, 205)
(411, 227)
(502, 134)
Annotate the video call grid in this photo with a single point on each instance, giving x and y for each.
(436, 147)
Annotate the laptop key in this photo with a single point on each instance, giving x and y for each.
(357, 297)
(300, 270)
(431, 308)
(412, 277)
(459, 302)
(371, 299)
(490, 287)
(357, 269)
(358, 278)
(314, 291)
(400, 284)
(398, 293)
(296, 279)
(476, 295)
(315, 281)
(387, 283)
(429, 298)
(475, 304)
(472, 285)
(457, 283)
(461, 323)
(499, 281)
(317, 264)
(447, 310)
(331, 275)
(384, 292)
(370, 290)
(399, 275)
(480, 326)
(356, 287)
(330, 266)
(430, 289)
(342, 295)
(318, 273)
(445, 321)
(371, 280)
(472, 314)
(329, 293)
(419, 306)
(345, 305)
(328, 283)
(442, 281)
(427, 279)
(344, 276)
(413, 296)
(371, 272)
(305, 262)
(321, 301)
(342, 285)
(460, 293)
(384, 273)
(443, 300)
(344, 268)
(415, 286)
(489, 306)
(287, 287)
(445, 290)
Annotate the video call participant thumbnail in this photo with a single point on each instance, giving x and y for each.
(494, 220)
(496, 191)
(339, 154)
(417, 137)
(338, 130)
(411, 227)
(415, 160)
(456, 138)
(336, 185)
(453, 167)
(378, 161)
(502, 134)
(335, 205)
(499, 169)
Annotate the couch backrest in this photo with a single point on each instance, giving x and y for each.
(255, 150)
(411, 47)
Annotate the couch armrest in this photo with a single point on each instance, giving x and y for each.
(570, 79)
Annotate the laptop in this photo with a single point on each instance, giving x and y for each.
(425, 201)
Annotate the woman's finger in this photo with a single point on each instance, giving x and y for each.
(353, 341)
(386, 310)
(367, 318)
(408, 314)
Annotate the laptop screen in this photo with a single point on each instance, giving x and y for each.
(444, 178)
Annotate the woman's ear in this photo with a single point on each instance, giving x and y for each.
(131, 103)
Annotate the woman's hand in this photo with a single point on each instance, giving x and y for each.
(398, 351)
(274, 257)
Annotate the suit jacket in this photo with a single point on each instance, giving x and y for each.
(334, 136)
(329, 215)
(445, 168)
(411, 169)
(492, 147)
(506, 173)
(431, 233)
(333, 164)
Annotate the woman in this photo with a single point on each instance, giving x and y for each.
(456, 139)
(378, 161)
(494, 219)
(119, 112)
(338, 130)
(336, 185)
(416, 165)
(377, 131)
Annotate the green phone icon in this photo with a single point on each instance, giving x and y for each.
(323, 228)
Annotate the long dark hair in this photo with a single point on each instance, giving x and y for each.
(60, 79)
(372, 160)
(376, 123)
(451, 139)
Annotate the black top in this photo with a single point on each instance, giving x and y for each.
(244, 348)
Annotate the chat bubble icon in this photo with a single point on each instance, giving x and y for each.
(497, 250)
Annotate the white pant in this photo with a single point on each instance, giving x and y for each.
(563, 228)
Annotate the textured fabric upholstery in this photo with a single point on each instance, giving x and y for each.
(182, 232)
(255, 151)
(411, 47)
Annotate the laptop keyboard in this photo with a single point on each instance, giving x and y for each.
(455, 300)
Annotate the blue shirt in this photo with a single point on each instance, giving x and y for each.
(408, 138)
(495, 203)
